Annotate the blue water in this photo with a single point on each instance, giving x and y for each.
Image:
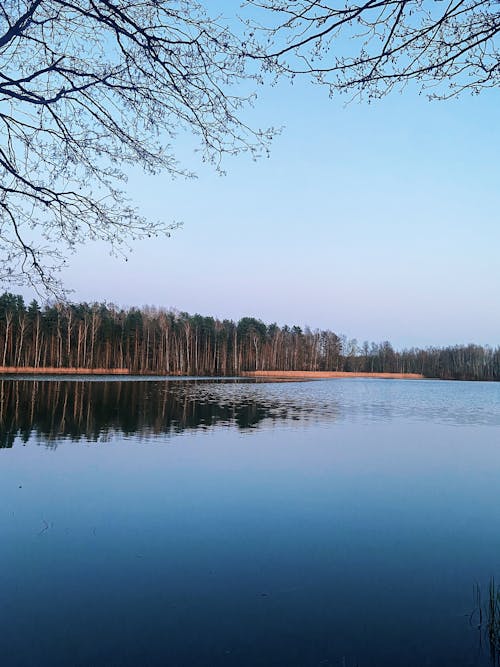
(201, 523)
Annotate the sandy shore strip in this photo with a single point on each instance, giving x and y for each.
(323, 375)
(47, 370)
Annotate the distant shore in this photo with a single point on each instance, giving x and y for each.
(271, 375)
(321, 375)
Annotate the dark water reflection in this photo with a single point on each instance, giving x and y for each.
(90, 410)
(50, 410)
(339, 523)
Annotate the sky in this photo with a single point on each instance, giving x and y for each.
(376, 221)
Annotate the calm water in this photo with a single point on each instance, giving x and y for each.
(205, 523)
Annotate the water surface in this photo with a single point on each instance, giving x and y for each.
(341, 522)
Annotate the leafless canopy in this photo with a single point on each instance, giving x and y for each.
(88, 87)
(367, 49)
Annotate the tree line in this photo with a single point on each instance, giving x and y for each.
(149, 340)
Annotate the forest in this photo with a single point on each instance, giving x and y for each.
(150, 340)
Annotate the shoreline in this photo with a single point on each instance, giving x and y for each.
(271, 375)
(324, 375)
(49, 370)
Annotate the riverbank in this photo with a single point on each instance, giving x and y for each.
(323, 375)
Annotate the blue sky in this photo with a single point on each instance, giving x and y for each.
(378, 221)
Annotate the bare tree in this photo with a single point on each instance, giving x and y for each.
(88, 87)
(367, 49)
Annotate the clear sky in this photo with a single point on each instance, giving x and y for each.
(378, 221)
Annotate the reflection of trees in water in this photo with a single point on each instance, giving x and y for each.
(52, 410)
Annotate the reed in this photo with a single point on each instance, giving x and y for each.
(493, 620)
(487, 617)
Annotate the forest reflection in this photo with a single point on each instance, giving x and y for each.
(50, 411)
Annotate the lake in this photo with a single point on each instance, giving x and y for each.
(220, 522)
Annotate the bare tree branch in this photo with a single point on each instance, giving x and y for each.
(91, 87)
(369, 49)
(88, 87)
